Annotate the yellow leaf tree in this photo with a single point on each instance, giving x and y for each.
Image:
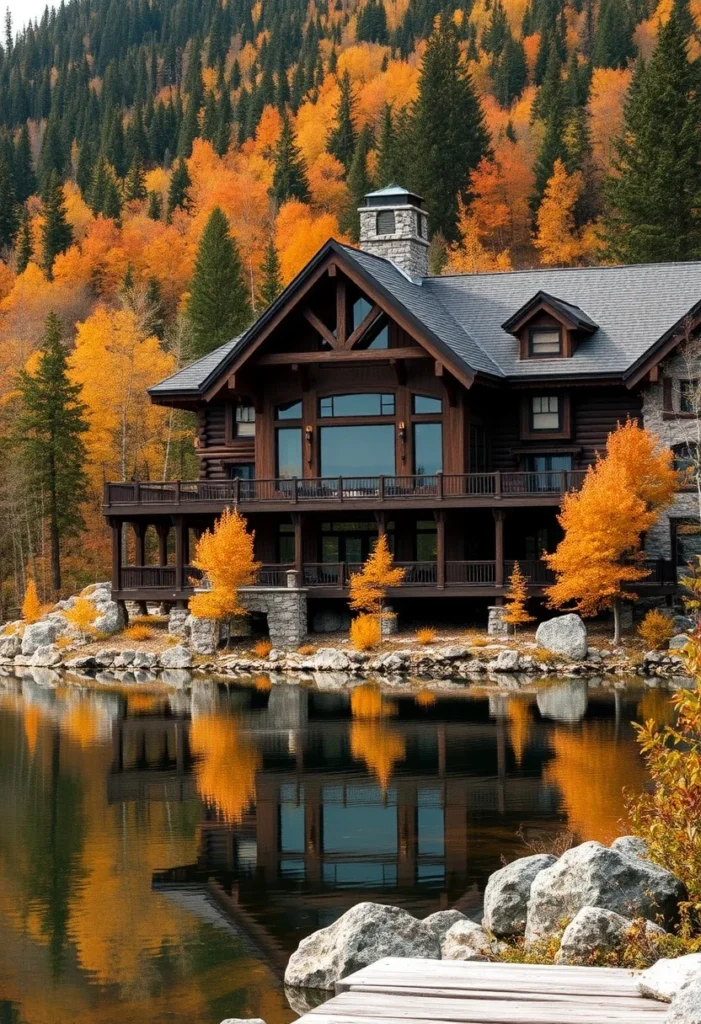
(557, 238)
(31, 605)
(516, 612)
(368, 588)
(622, 497)
(225, 556)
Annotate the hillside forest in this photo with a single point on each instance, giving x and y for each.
(167, 166)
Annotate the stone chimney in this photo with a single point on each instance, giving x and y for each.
(394, 224)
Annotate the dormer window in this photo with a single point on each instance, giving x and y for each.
(545, 341)
(385, 222)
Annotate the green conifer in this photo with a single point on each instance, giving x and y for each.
(135, 184)
(178, 193)
(342, 139)
(270, 280)
(219, 306)
(512, 73)
(387, 150)
(290, 173)
(359, 184)
(25, 249)
(155, 206)
(25, 179)
(9, 207)
(613, 40)
(654, 201)
(57, 234)
(50, 432)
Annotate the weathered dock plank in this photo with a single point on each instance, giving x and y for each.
(454, 992)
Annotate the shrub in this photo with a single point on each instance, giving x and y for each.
(546, 656)
(667, 816)
(62, 642)
(306, 649)
(263, 648)
(263, 683)
(426, 636)
(82, 615)
(31, 605)
(138, 632)
(365, 632)
(479, 641)
(656, 629)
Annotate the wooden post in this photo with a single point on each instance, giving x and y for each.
(440, 549)
(498, 514)
(139, 543)
(297, 523)
(179, 552)
(381, 519)
(116, 553)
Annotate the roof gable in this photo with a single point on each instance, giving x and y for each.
(573, 317)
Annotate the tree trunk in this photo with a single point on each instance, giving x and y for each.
(616, 620)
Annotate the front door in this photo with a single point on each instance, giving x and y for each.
(347, 542)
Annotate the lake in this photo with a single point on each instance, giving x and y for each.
(163, 851)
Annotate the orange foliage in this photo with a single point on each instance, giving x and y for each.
(365, 632)
(425, 698)
(368, 588)
(31, 605)
(367, 701)
(82, 615)
(226, 767)
(516, 612)
(379, 746)
(299, 233)
(557, 238)
(518, 711)
(608, 90)
(225, 556)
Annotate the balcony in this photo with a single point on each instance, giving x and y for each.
(326, 493)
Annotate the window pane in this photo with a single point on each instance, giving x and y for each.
(428, 447)
(379, 340)
(426, 547)
(688, 395)
(291, 828)
(357, 405)
(289, 411)
(546, 414)
(426, 404)
(688, 536)
(361, 308)
(545, 342)
(240, 471)
(547, 463)
(357, 451)
(289, 452)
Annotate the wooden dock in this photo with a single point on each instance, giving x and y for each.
(458, 992)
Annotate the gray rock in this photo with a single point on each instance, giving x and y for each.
(507, 892)
(145, 659)
(204, 635)
(455, 653)
(124, 658)
(684, 623)
(505, 661)
(178, 678)
(328, 659)
(176, 657)
(565, 634)
(10, 646)
(678, 642)
(243, 1020)
(363, 935)
(591, 931)
(86, 662)
(466, 941)
(47, 656)
(105, 657)
(686, 1005)
(111, 617)
(564, 702)
(592, 875)
(39, 634)
(631, 846)
(664, 979)
(179, 621)
(442, 921)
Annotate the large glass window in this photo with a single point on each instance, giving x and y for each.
(357, 405)
(240, 470)
(289, 411)
(687, 536)
(426, 540)
(545, 412)
(547, 463)
(428, 448)
(425, 404)
(357, 451)
(286, 544)
(288, 452)
(378, 335)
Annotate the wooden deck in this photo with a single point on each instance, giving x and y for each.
(456, 992)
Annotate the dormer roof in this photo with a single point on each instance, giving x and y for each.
(574, 317)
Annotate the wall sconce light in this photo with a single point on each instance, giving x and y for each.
(308, 431)
(401, 427)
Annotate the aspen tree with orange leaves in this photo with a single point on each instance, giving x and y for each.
(225, 557)
(368, 588)
(598, 561)
(516, 613)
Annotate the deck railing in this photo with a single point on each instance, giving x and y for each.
(298, 491)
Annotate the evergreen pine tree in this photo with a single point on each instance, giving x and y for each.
(50, 431)
(290, 173)
(112, 206)
(178, 195)
(9, 208)
(450, 137)
(98, 187)
(135, 184)
(57, 234)
(25, 179)
(219, 307)
(387, 150)
(654, 201)
(342, 139)
(613, 41)
(512, 73)
(25, 249)
(270, 281)
(359, 184)
(155, 206)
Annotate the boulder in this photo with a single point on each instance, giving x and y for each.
(592, 875)
(84, 663)
(124, 658)
(591, 931)
(176, 657)
(565, 634)
(111, 615)
(442, 921)
(564, 702)
(466, 941)
(505, 661)
(46, 657)
(363, 935)
(455, 652)
(507, 892)
(631, 846)
(39, 634)
(686, 1005)
(684, 623)
(10, 646)
(328, 659)
(678, 642)
(664, 979)
(145, 659)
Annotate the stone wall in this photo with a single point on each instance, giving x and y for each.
(683, 364)
(404, 246)
(285, 609)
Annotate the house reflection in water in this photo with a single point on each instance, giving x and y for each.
(313, 801)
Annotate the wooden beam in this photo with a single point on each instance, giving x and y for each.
(332, 269)
(654, 374)
(319, 326)
(438, 368)
(399, 370)
(364, 355)
(341, 313)
(364, 326)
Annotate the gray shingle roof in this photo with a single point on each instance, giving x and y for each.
(630, 308)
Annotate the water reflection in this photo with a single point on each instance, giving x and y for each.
(161, 853)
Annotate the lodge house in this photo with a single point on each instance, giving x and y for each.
(449, 413)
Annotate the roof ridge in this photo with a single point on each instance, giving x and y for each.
(560, 270)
